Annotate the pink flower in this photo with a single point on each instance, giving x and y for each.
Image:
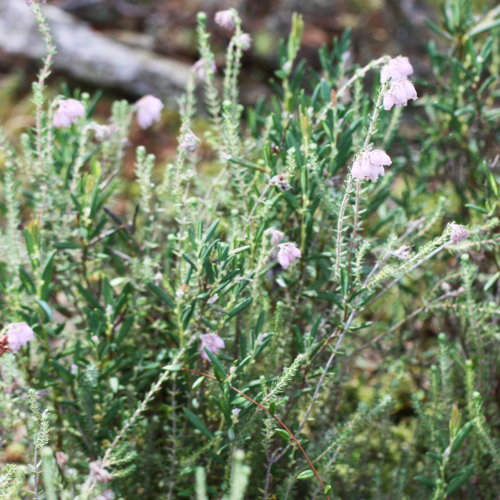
(68, 111)
(225, 19)
(236, 411)
(200, 70)
(288, 253)
(399, 93)
(98, 473)
(370, 165)
(212, 342)
(244, 41)
(458, 233)
(18, 335)
(148, 110)
(397, 68)
(276, 235)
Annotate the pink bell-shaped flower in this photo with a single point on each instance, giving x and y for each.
(225, 19)
(68, 111)
(244, 41)
(399, 93)
(276, 235)
(370, 165)
(148, 110)
(288, 253)
(18, 335)
(397, 68)
(212, 342)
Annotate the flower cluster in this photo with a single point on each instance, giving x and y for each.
(401, 89)
(61, 459)
(397, 68)
(68, 111)
(148, 110)
(212, 342)
(106, 495)
(370, 165)
(284, 253)
(17, 335)
(458, 233)
(244, 41)
(276, 235)
(226, 19)
(399, 93)
(287, 254)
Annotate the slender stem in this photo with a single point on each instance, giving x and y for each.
(280, 422)
(90, 483)
(356, 211)
(173, 449)
(348, 189)
(360, 73)
(331, 359)
(371, 130)
(267, 482)
(36, 472)
(340, 338)
(399, 278)
(372, 127)
(143, 405)
(261, 198)
(398, 325)
(340, 222)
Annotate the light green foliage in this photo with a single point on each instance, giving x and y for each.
(364, 369)
(11, 481)
(239, 476)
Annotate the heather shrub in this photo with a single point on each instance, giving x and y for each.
(303, 303)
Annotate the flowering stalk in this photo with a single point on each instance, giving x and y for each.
(208, 64)
(233, 65)
(371, 130)
(39, 86)
(83, 139)
(340, 222)
(43, 143)
(358, 74)
(293, 46)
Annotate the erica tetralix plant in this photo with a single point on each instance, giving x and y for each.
(280, 307)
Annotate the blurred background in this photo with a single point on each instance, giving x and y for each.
(129, 48)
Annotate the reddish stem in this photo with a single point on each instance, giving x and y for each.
(282, 424)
